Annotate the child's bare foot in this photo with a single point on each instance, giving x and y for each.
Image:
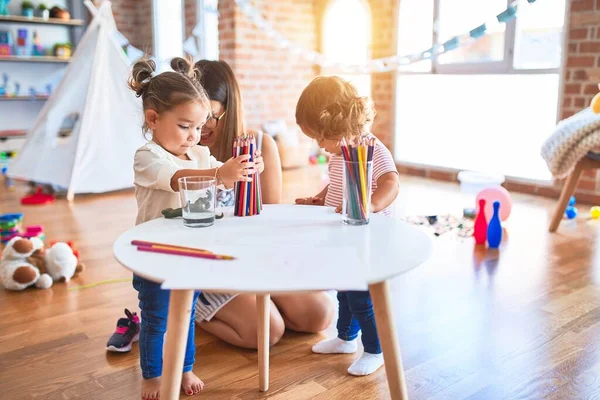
(151, 389)
(191, 384)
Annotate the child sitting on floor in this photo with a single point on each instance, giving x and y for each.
(175, 109)
(330, 110)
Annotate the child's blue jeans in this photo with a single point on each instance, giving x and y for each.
(356, 314)
(154, 306)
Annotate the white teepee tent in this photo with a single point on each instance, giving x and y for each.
(98, 155)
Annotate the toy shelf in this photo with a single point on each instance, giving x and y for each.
(17, 19)
(42, 97)
(21, 133)
(36, 59)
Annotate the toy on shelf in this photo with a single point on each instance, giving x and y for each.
(5, 42)
(322, 159)
(4, 7)
(37, 50)
(595, 212)
(38, 198)
(571, 211)
(62, 50)
(27, 9)
(22, 45)
(43, 11)
(57, 12)
(313, 160)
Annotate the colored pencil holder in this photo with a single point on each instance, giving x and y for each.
(356, 194)
(248, 198)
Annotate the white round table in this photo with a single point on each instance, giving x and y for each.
(287, 248)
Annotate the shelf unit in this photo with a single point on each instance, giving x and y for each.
(35, 59)
(39, 97)
(17, 19)
(75, 27)
(21, 133)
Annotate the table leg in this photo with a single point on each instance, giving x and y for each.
(263, 304)
(386, 327)
(178, 326)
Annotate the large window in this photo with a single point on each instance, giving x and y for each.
(487, 105)
(168, 30)
(207, 29)
(346, 39)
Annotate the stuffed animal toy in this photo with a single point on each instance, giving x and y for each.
(22, 265)
(61, 262)
(26, 263)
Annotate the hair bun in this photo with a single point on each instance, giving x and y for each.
(181, 65)
(140, 76)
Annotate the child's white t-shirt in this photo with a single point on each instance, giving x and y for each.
(153, 169)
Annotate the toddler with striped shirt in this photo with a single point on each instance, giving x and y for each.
(329, 110)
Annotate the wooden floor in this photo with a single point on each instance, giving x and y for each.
(521, 323)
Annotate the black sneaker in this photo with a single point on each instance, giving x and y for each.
(127, 332)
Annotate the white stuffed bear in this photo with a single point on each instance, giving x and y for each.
(61, 263)
(21, 265)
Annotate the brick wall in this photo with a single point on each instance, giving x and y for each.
(271, 79)
(382, 84)
(134, 21)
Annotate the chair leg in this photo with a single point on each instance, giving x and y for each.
(567, 192)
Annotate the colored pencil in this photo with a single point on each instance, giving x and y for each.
(358, 157)
(208, 256)
(142, 243)
(248, 199)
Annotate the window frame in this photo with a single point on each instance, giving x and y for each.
(504, 66)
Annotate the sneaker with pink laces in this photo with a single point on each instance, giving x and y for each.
(127, 332)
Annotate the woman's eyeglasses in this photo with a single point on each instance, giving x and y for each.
(212, 121)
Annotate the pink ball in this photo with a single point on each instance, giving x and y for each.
(490, 195)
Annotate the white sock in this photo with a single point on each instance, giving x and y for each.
(335, 346)
(366, 364)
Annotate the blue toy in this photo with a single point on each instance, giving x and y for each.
(494, 231)
(571, 212)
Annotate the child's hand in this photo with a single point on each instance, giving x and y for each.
(235, 170)
(311, 201)
(259, 165)
(338, 209)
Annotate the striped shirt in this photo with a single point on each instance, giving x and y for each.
(383, 162)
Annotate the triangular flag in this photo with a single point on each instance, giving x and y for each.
(133, 53)
(189, 46)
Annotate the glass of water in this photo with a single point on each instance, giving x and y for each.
(197, 196)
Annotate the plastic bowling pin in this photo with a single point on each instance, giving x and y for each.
(480, 228)
(494, 230)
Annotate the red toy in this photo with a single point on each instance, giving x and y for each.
(38, 198)
(480, 228)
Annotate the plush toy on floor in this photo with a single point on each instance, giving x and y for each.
(61, 262)
(26, 263)
(22, 265)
